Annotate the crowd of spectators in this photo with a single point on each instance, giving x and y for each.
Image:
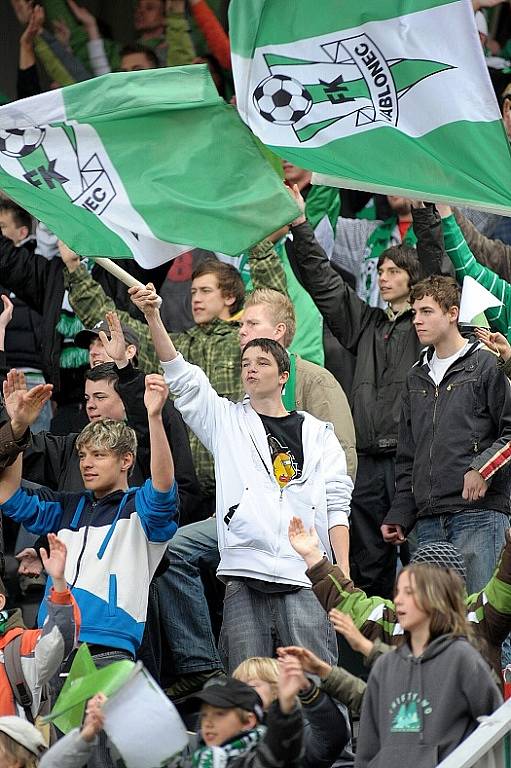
(280, 480)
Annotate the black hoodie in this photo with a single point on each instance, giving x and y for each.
(416, 710)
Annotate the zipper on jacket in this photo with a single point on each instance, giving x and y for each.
(431, 446)
(84, 544)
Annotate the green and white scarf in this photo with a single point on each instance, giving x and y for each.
(219, 757)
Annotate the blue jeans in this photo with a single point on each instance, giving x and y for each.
(184, 612)
(479, 536)
(256, 623)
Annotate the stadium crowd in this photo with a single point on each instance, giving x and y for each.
(282, 480)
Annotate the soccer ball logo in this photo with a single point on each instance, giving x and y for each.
(20, 142)
(282, 100)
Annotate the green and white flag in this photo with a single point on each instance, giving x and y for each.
(390, 96)
(141, 164)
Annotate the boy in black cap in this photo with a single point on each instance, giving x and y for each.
(231, 730)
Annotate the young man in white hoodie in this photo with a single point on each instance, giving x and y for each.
(269, 465)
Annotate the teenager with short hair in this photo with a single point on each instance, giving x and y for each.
(386, 346)
(116, 535)
(454, 435)
(268, 463)
(407, 717)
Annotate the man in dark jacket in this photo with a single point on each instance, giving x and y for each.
(386, 346)
(453, 478)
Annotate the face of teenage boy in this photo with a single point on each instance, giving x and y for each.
(149, 16)
(432, 324)
(394, 282)
(208, 302)
(103, 470)
(256, 323)
(260, 374)
(409, 615)
(102, 401)
(219, 725)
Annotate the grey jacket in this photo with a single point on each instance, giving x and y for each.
(417, 710)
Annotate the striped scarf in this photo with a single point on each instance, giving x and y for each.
(219, 757)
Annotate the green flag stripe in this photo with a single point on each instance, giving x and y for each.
(70, 223)
(265, 20)
(427, 170)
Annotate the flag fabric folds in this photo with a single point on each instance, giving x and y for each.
(391, 96)
(141, 164)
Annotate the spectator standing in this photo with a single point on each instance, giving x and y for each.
(267, 461)
(455, 423)
(407, 717)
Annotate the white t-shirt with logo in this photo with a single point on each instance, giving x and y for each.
(439, 365)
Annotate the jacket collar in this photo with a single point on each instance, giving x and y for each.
(216, 327)
(462, 362)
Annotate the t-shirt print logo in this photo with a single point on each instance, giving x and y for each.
(285, 466)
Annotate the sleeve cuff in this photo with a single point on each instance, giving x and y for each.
(319, 571)
(60, 598)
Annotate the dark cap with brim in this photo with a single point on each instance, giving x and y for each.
(84, 338)
(229, 694)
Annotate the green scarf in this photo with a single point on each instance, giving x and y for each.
(378, 241)
(218, 757)
(289, 393)
(4, 618)
(71, 356)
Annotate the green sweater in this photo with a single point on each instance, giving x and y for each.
(466, 264)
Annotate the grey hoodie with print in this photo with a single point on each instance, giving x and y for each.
(417, 710)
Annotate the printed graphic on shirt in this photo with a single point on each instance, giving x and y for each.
(408, 710)
(285, 465)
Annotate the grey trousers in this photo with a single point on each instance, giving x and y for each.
(256, 623)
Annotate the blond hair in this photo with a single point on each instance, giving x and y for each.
(440, 593)
(17, 752)
(280, 308)
(108, 435)
(260, 668)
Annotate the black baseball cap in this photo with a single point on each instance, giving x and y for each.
(84, 338)
(231, 693)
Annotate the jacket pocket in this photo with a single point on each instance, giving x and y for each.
(249, 524)
(112, 595)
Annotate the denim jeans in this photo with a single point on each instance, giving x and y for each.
(256, 623)
(479, 536)
(184, 612)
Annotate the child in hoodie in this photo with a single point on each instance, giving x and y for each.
(423, 700)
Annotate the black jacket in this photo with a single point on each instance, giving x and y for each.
(52, 461)
(385, 348)
(445, 430)
(39, 282)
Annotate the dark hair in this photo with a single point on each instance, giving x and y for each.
(273, 348)
(443, 289)
(104, 372)
(144, 49)
(404, 257)
(20, 216)
(229, 281)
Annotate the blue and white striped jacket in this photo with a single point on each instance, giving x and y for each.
(114, 545)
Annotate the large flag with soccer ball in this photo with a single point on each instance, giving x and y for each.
(390, 96)
(141, 164)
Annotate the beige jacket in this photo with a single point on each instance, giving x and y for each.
(319, 393)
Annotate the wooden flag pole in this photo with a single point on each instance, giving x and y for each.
(119, 273)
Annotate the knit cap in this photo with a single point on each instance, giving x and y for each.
(443, 555)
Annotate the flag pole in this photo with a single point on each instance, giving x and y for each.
(110, 266)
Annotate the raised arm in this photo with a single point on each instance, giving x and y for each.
(162, 464)
(346, 314)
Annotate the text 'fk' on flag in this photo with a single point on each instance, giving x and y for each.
(391, 96)
(141, 164)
